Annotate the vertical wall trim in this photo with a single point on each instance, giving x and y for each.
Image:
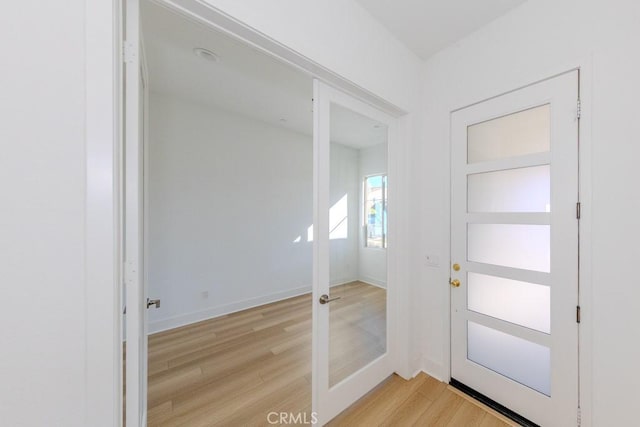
(103, 368)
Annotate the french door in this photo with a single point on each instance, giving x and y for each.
(514, 249)
(354, 297)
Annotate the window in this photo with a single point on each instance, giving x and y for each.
(375, 211)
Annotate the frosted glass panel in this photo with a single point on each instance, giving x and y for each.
(525, 132)
(523, 361)
(513, 190)
(510, 245)
(523, 303)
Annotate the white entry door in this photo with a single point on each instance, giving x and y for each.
(514, 250)
(353, 293)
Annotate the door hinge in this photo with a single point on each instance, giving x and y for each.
(578, 207)
(579, 109)
(128, 52)
(129, 273)
(579, 417)
(577, 314)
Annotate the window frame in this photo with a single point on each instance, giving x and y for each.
(365, 222)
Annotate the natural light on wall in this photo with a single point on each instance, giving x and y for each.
(338, 222)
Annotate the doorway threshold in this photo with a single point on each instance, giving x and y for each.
(492, 404)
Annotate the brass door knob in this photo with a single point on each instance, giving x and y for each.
(455, 283)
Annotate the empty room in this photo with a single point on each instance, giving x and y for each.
(302, 212)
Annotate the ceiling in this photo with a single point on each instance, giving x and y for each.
(427, 26)
(249, 82)
(355, 130)
(244, 80)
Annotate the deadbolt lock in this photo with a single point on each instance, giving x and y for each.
(456, 267)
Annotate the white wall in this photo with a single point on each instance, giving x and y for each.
(349, 259)
(228, 198)
(343, 252)
(341, 36)
(42, 219)
(537, 40)
(228, 195)
(372, 261)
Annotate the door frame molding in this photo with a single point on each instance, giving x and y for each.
(585, 347)
(103, 269)
(104, 162)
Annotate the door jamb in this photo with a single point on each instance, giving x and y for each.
(102, 261)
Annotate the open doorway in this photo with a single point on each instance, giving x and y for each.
(229, 162)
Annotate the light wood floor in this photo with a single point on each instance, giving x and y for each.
(422, 401)
(235, 369)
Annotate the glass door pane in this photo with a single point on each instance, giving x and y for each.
(511, 190)
(515, 301)
(523, 361)
(510, 245)
(357, 241)
(517, 134)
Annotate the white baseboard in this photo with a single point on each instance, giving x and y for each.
(374, 282)
(368, 280)
(212, 312)
(341, 282)
(434, 370)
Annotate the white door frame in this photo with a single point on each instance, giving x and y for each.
(135, 241)
(103, 133)
(585, 68)
(104, 272)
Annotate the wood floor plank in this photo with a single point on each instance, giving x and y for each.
(467, 415)
(441, 411)
(408, 412)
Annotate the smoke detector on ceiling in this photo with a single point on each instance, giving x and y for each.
(206, 54)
